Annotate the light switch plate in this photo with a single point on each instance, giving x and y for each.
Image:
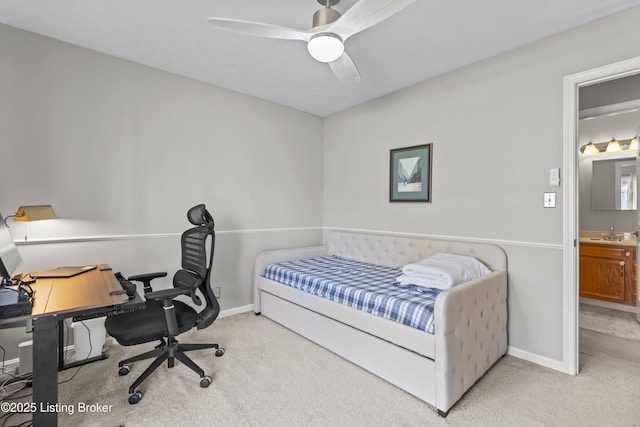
(549, 200)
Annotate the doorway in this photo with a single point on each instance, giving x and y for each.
(572, 85)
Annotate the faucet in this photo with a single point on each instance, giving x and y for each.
(611, 235)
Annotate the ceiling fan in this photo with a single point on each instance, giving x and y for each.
(325, 41)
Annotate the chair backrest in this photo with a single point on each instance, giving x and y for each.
(196, 267)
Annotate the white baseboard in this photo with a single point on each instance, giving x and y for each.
(537, 359)
(236, 310)
(9, 369)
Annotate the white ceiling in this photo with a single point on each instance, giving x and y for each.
(428, 38)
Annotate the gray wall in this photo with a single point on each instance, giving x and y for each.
(497, 129)
(611, 92)
(122, 150)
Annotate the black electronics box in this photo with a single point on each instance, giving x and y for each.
(14, 302)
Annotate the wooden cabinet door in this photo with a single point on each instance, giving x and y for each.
(602, 278)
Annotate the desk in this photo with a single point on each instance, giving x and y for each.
(56, 300)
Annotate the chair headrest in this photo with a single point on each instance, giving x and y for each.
(198, 215)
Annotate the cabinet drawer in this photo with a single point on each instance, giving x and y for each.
(607, 251)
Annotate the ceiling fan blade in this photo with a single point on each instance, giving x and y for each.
(365, 14)
(260, 29)
(345, 69)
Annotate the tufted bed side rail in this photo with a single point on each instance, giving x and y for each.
(471, 334)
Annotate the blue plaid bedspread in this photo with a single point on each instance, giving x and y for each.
(367, 287)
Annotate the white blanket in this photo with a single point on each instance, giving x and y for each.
(443, 271)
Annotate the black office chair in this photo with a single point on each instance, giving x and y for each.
(164, 318)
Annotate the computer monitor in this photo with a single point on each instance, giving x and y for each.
(10, 259)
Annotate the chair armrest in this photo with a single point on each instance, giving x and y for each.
(165, 294)
(146, 279)
(147, 276)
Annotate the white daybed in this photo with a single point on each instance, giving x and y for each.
(470, 319)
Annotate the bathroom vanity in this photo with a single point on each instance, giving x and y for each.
(608, 270)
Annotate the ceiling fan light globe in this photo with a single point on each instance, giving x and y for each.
(325, 47)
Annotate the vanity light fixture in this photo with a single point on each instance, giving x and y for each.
(613, 146)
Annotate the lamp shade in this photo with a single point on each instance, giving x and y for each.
(613, 146)
(633, 145)
(590, 149)
(325, 47)
(34, 213)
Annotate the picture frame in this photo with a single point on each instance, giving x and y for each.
(410, 173)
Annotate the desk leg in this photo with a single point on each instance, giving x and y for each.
(45, 371)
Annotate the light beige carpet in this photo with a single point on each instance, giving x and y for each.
(270, 376)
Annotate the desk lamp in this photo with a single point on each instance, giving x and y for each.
(32, 213)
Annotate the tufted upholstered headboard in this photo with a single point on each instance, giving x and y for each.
(396, 251)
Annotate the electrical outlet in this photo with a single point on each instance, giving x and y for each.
(216, 291)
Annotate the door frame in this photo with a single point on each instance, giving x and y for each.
(571, 294)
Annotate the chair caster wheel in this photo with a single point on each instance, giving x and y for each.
(205, 382)
(220, 352)
(124, 370)
(135, 398)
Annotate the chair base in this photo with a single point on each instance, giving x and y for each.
(168, 351)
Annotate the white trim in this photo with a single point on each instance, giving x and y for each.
(236, 310)
(11, 366)
(270, 230)
(10, 369)
(535, 358)
(571, 84)
(570, 235)
(453, 238)
(115, 237)
(84, 239)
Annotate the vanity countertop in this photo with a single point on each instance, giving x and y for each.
(598, 237)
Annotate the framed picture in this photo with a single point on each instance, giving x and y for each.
(410, 174)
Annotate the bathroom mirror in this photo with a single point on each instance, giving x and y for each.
(614, 185)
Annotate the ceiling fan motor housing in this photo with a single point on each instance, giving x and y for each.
(328, 3)
(325, 16)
